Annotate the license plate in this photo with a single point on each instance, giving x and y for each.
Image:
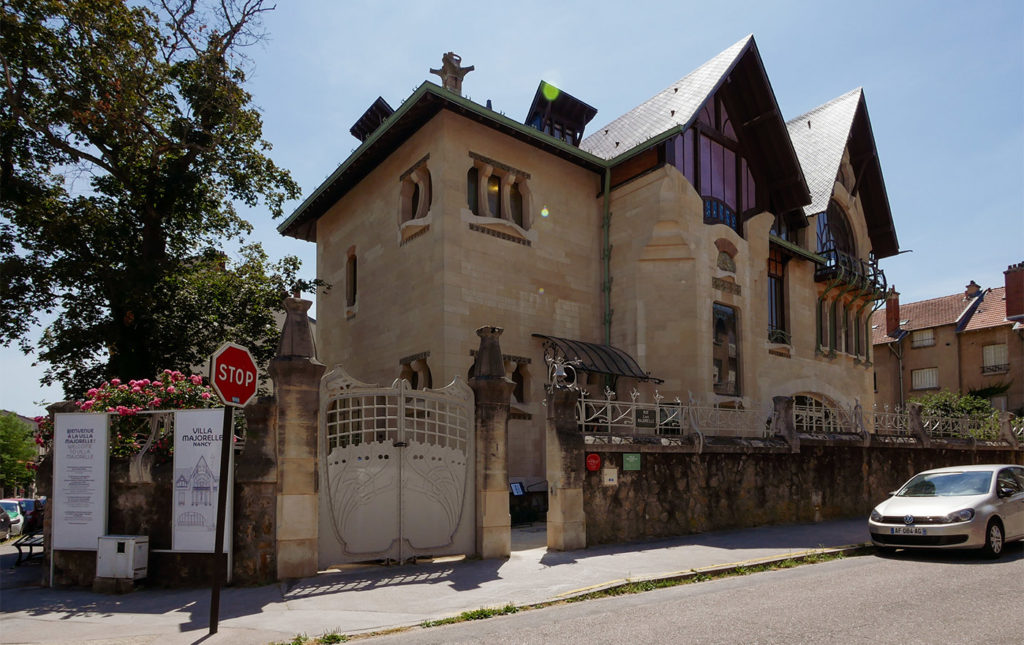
(907, 530)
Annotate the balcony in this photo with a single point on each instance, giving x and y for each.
(847, 269)
(778, 336)
(995, 369)
(718, 212)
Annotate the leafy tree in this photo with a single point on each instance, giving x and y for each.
(17, 448)
(126, 138)
(954, 404)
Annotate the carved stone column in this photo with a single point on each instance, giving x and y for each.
(782, 421)
(492, 391)
(296, 374)
(917, 424)
(567, 521)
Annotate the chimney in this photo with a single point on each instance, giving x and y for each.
(971, 290)
(1014, 276)
(892, 312)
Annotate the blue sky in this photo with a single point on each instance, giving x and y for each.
(944, 83)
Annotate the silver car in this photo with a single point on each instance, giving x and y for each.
(962, 507)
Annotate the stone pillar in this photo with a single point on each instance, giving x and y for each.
(782, 421)
(296, 374)
(567, 521)
(492, 390)
(917, 425)
(255, 507)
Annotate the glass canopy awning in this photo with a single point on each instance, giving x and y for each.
(592, 357)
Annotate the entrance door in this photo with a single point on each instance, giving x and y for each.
(396, 471)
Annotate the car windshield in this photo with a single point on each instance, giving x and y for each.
(947, 485)
(10, 507)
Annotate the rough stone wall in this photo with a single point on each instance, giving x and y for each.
(143, 506)
(680, 493)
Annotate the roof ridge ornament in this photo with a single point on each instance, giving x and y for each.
(452, 72)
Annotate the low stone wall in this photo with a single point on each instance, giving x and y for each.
(141, 504)
(678, 493)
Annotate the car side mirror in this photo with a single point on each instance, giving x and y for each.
(1005, 491)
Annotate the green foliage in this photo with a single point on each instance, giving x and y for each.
(991, 390)
(126, 139)
(17, 452)
(954, 404)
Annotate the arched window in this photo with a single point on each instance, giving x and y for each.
(494, 196)
(515, 204)
(350, 280)
(473, 190)
(834, 232)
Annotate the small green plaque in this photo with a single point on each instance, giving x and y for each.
(631, 461)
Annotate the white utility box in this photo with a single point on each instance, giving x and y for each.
(122, 556)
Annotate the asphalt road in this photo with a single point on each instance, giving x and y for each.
(920, 597)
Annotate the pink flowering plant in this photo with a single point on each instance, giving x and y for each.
(129, 430)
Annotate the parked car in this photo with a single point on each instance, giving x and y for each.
(5, 526)
(32, 511)
(961, 507)
(13, 511)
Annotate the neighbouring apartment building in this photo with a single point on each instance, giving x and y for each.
(699, 245)
(970, 343)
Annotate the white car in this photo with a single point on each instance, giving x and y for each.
(12, 509)
(962, 507)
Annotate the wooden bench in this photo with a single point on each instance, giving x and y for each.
(29, 542)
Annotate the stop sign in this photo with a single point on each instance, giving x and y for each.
(233, 374)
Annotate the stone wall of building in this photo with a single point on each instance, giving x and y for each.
(677, 493)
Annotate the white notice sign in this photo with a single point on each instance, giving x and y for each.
(197, 443)
(79, 480)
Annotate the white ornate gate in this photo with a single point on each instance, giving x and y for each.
(396, 470)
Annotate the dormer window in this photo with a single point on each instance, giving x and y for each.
(834, 232)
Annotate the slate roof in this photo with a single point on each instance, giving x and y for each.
(926, 314)
(991, 312)
(819, 138)
(675, 106)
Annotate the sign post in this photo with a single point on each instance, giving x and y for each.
(233, 375)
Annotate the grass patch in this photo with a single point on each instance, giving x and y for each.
(475, 614)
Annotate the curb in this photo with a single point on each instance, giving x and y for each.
(717, 569)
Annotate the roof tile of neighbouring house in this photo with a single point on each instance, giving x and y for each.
(819, 138)
(674, 106)
(991, 312)
(923, 314)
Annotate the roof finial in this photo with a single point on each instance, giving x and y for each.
(452, 72)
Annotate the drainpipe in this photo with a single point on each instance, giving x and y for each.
(606, 255)
(898, 353)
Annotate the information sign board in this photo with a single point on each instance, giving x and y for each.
(197, 445)
(631, 461)
(79, 480)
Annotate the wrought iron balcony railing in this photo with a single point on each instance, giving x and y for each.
(776, 335)
(995, 369)
(718, 212)
(862, 274)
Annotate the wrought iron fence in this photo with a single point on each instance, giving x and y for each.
(661, 418)
(886, 422)
(635, 418)
(986, 428)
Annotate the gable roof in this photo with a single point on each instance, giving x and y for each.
(740, 73)
(820, 137)
(674, 107)
(991, 311)
(927, 314)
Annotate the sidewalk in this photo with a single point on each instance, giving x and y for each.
(369, 598)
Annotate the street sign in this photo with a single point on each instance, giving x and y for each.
(233, 375)
(593, 462)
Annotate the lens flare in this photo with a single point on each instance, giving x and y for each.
(540, 291)
(544, 212)
(550, 91)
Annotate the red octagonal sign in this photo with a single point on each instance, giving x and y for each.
(233, 374)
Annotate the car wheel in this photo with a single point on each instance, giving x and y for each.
(994, 539)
